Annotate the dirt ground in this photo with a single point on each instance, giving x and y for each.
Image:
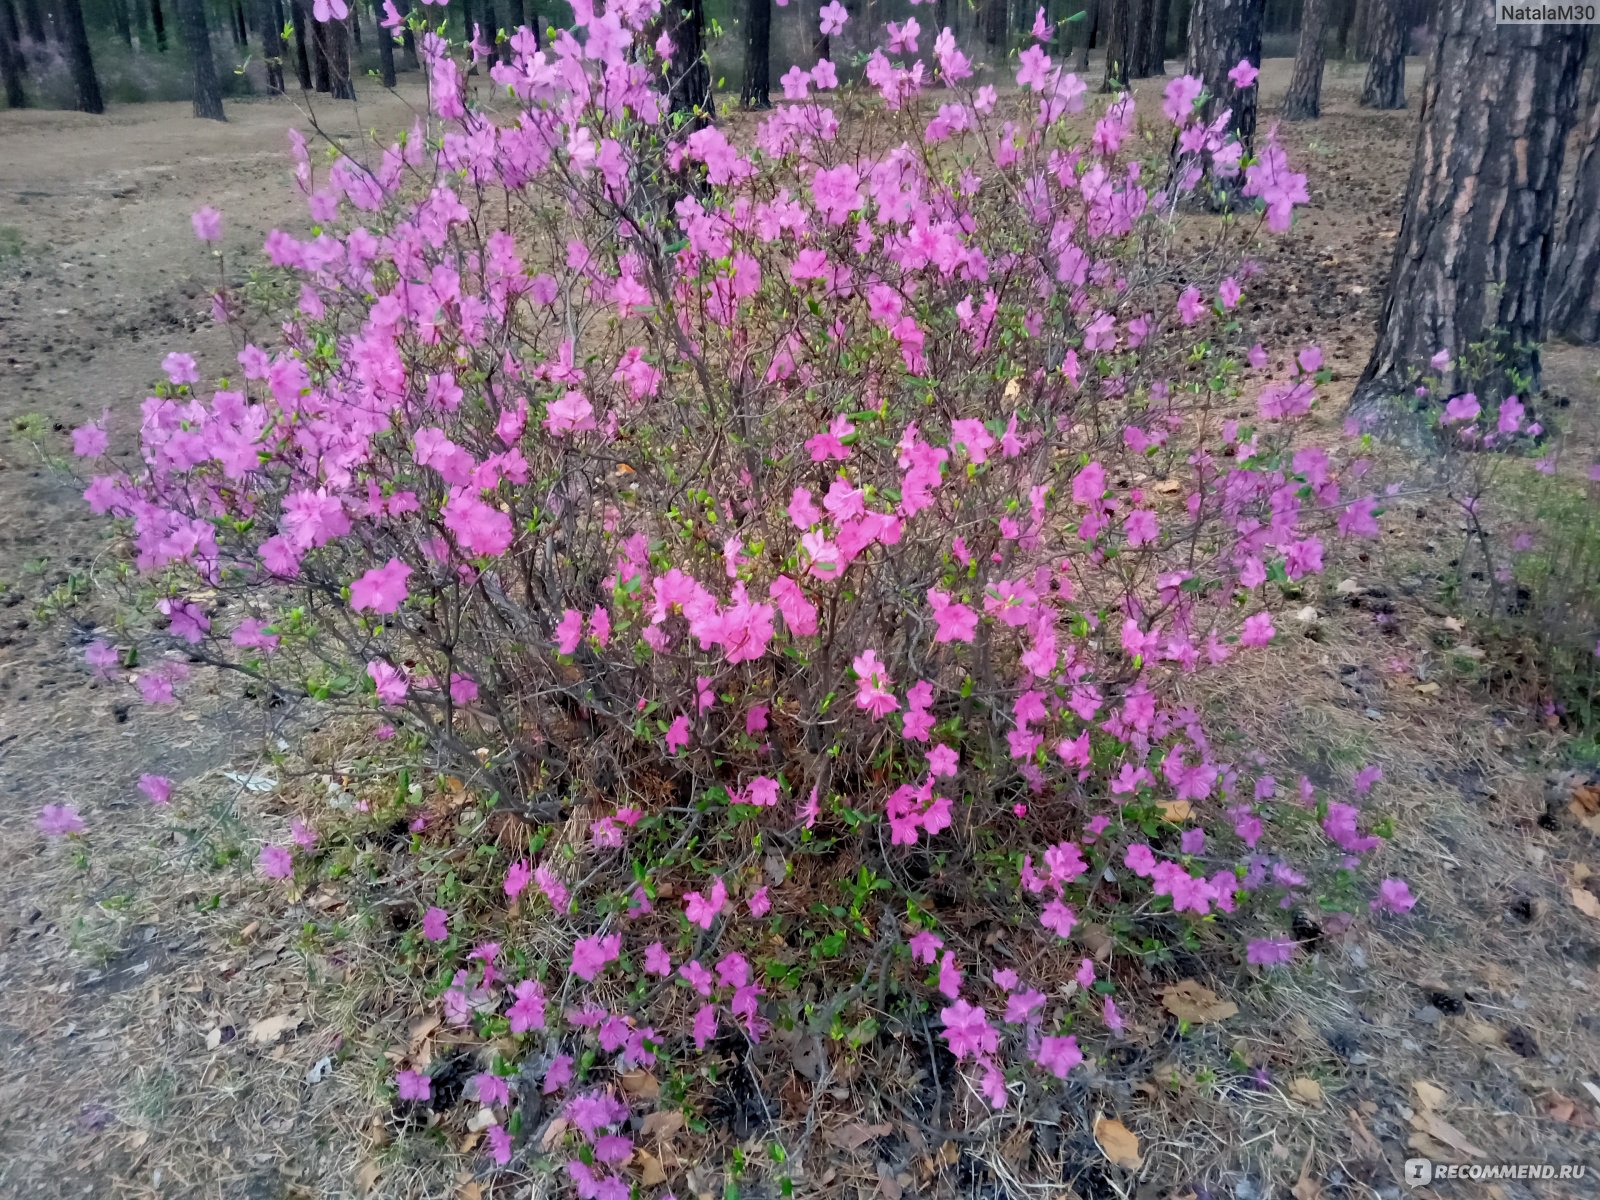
(133, 981)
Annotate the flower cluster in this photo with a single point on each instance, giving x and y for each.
(880, 491)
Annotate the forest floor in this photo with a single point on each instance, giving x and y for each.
(163, 1033)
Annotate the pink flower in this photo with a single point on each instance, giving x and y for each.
(436, 924)
(702, 910)
(834, 15)
(517, 876)
(412, 1085)
(760, 903)
(1462, 408)
(102, 656)
(499, 1139)
(180, 368)
(89, 441)
(1058, 1055)
(59, 820)
(388, 682)
(569, 631)
(925, 946)
(1393, 897)
(953, 622)
(301, 834)
(1258, 630)
(157, 787)
(591, 954)
(967, 1030)
(1270, 951)
(275, 862)
(678, 734)
(1243, 75)
(1178, 102)
(492, 1090)
(207, 224)
(656, 960)
(381, 589)
(1139, 860)
(527, 1010)
(1191, 305)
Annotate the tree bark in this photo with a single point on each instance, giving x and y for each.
(1574, 292)
(119, 19)
(1221, 32)
(321, 74)
(1160, 14)
(269, 27)
(1116, 73)
(1385, 87)
(1361, 30)
(995, 14)
(33, 21)
(515, 18)
(491, 28)
(158, 22)
(1472, 259)
(1141, 14)
(340, 85)
(12, 65)
(385, 47)
(299, 15)
(235, 22)
(76, 37)
(408, 40)
(1304, 101)
(689, 86)
(755, 91)
(1091, 22)
(355, 27)
(197, 40)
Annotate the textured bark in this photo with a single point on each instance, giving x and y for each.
(1091, 22)
(85, 86)
(270, 27)
(33, 20)
(1574, 292)
(1160, 16)
(159, 23)
(1472, 259)
(689, 87)
(1116, 45)
(1359, 34)
(408, 40)
(340, 85)
(321, 74)
(300, 15)
(995, 17)
(1304, 101)
(385, 47)
(491, 32)
(119, 20)
(13, 66)
(197, 40)
(1141, 15)
(235, 20)
(1221, 32)
(755, 91)
(355, 25)
(1386, 69)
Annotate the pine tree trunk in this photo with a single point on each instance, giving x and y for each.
(197, 40)
(755, 91)
(339, 82)
(1385, 87)
(299, 15)
(159, 23)
(12, 65)
(1574, 292)
(385, 47)
(408, 40)
(1362, 28)
(270, 28)
(235, 22)
(491, 30)
(1304, 101)
(76, 36)
(33, 21)
(1342, 27)
(355, 27)
(1160, 14)
(321, 76)
(1471, 262)
(1141, 15)
(119, 19)
(689, 87)
(1116, 73)
(1221, 32)
(1091, 22)
(995, 13)
(515, 18)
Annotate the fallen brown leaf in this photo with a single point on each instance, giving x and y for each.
(1437, 1127)
(367, 1177)
(640, 1084)
(853, 1137)
(651, 1172)
(662, 1124)
(1306, 1090)
(1429, 1097)
(1585, 901)
(1190, 1000)
(269, 1029)
(1118, 1143)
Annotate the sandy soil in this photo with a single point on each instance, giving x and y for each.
(111, 984)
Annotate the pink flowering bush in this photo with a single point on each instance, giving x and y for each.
(818, 543)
